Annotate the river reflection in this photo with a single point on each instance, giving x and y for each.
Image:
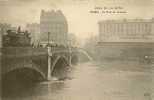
(93, 81)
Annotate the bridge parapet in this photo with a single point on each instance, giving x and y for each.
(22, 51)
(59, 49)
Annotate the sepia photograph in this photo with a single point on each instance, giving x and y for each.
(76, 49)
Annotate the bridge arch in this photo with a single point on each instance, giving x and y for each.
(82, 55)
(25, 73)
(59, 66)
(21, 78)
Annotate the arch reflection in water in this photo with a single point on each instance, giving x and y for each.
(20, 79)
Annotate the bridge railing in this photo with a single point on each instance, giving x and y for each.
(22, 51)
(62, 49)
(59, 49)
(30, 51)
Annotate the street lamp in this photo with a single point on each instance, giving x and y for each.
(48, 38)
(49, 58)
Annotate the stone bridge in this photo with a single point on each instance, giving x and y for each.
(36, 63)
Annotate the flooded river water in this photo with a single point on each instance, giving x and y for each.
(93, 81)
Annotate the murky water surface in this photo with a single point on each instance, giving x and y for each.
(93, 81)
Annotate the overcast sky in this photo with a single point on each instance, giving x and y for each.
(80, 21)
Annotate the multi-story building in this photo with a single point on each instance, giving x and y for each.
(129, 40)
(135, 30)
(34, 29)
(55, 23)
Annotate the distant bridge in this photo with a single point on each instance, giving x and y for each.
(37, 63)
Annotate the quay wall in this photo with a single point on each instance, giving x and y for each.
(126, 51)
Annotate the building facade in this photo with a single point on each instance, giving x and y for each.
(135, 30)
(34, 30)
(54, 23)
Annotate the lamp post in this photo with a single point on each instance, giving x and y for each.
(49, 58)
(48, 38)
(69, 49)
(1, 38)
